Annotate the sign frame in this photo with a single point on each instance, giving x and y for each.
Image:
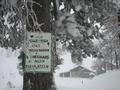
(50, 69)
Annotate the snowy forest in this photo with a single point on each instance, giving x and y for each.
(84, 29)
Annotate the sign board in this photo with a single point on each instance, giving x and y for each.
(38, 51)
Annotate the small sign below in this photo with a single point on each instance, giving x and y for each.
(38, 51)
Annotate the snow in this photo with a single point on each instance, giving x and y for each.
(9, 73)
(71, 27)
(88, 62)
(67, 63)
(8, 70)
(6, 22)
(78, 7)
(61, 6)
(72, 11)
(108, 81)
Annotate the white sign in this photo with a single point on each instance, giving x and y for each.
(38, 51)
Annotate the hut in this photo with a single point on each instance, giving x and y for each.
(78, 71)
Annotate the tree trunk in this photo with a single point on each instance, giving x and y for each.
(111, 63)
(116, 60)
(40, 81)
(111, 57)
(105, 65)
(119, 63)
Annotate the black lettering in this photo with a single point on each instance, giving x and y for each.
(37, 40)
(36, 45)
(39, 50)
(42, 57)
(36, 66)
(39, 61)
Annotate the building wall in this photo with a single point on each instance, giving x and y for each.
(75, 74)
(65, 74)
(78, 72)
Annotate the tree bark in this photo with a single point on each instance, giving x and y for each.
(116, 60)
(111, 63)
(40, 81)
(119, 63)
(105, 65)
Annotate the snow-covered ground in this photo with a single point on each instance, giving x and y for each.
(108, 81)
(9, 77)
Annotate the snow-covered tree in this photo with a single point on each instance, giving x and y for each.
(80, 22)
(110, 45)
